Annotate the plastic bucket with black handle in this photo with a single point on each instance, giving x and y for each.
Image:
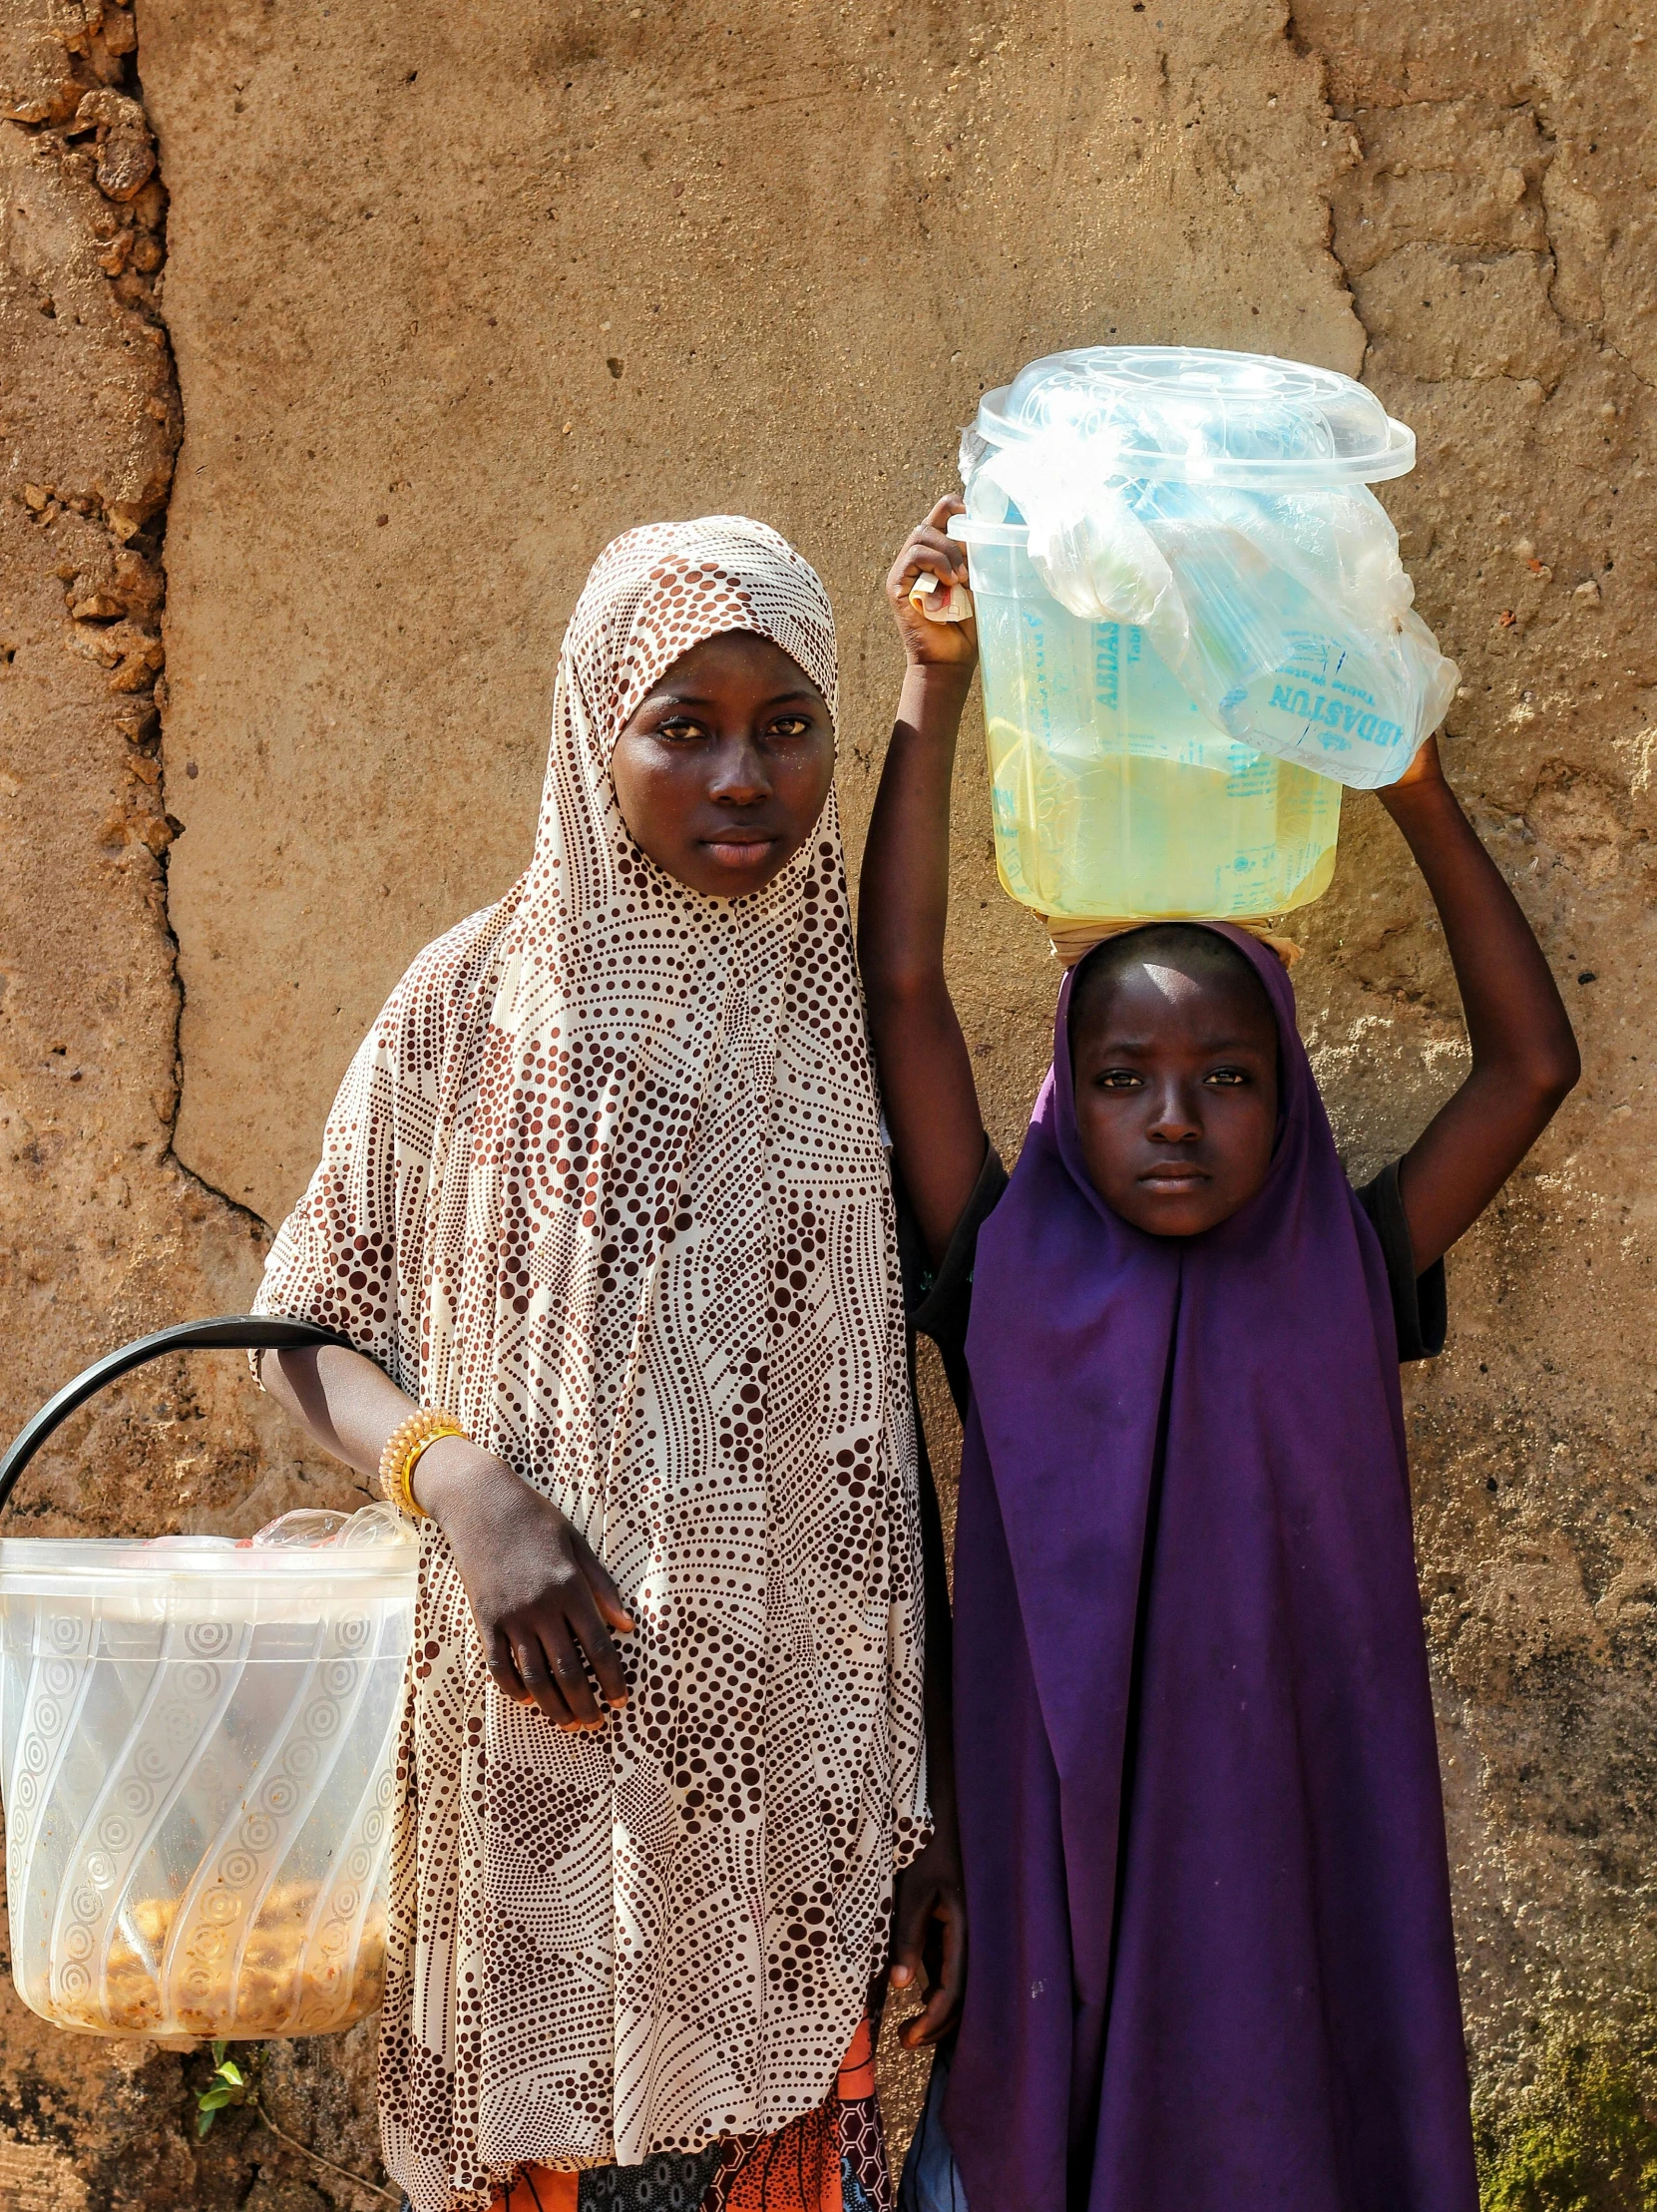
(197, 1755)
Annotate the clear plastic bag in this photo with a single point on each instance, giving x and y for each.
(1219, 503)
(317, 1529)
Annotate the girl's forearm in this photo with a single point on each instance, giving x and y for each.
(341, 1400)
(351, 1408)
(1524, 1057)
(904, 888)
(1515, 1017)
(925, 1069)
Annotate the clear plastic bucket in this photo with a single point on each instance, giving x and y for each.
(196, 1747)
(1115, 796)
(1194, 627)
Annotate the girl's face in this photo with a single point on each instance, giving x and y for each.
(1176, 1091)
(722, 770)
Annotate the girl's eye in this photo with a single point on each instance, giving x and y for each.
(1120, 1079)
(790, 726)
(680, 726)
(1228, 1079)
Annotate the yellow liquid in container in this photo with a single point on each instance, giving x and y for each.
(1113, 798)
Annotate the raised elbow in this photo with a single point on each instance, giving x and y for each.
(1554, 1074)
(1529, 1083)
(1564, 1076)
(1561, 1070)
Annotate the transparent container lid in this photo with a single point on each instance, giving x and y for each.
(1188, 414)
(304, 1563)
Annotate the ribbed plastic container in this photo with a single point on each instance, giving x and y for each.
(1114, 795)
(1194, 627)
(196, 1747)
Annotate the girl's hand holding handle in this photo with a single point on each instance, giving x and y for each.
(542, 1602)
(930, 551)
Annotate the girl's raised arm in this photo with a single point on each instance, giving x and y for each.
(1524, 1057)
(926, 1073)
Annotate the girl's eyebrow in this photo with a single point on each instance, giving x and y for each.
(692, 699)
(1139, 1045)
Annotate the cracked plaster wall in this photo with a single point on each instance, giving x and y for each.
(450, 297)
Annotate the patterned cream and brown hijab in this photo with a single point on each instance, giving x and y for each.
(605, 1181)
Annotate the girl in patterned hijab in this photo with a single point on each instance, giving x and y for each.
(603, 1211)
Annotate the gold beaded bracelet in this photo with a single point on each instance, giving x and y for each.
(402, 1454)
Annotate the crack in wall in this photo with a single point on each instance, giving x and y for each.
(86, 110)
(160, 696)
(1304, 50)
(1534, 103)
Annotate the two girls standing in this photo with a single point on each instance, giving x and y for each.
(604, 1209)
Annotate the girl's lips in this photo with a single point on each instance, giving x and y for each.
(1174, 1178)
(738, 852)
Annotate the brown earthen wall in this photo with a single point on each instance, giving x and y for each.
(436, 300)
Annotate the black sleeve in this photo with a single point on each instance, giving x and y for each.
(939, 1300)
(1419, 1303)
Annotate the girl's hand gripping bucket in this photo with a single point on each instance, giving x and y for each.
(196, 1756)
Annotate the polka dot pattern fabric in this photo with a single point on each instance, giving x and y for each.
(605, 1183)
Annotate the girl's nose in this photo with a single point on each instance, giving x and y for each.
(1175, 1119)
(739, 775)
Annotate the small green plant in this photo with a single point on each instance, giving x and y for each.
(228, 2085)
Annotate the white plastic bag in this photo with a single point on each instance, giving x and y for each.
(1218, 503)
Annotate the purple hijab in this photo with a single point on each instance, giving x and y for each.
(1212, 1966)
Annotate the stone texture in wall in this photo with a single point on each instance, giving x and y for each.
(105, 1235)
(1497, 241)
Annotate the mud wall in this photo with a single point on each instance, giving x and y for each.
(438, 301)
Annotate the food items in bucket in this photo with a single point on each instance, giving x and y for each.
(291, 1979)
(199, 1774)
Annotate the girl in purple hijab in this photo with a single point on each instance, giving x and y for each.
(1212, 1961)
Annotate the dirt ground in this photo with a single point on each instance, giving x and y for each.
(336, 341)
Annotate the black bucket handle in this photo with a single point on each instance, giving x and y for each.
(235, 1332)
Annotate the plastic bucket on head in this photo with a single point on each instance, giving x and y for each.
(1194, 622)
(1114, 796)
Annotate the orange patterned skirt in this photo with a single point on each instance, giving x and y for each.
(830, 2160)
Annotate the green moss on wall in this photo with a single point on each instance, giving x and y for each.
(1581, 2135)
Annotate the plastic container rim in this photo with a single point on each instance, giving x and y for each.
(970, 533)
(72, 1565)
(1327, 470)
